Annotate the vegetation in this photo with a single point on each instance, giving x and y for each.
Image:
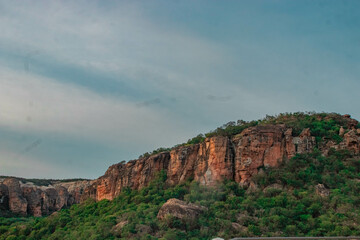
(293, 210)
(322, 126)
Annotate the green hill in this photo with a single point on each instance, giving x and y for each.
(293, 209)
(307, 195)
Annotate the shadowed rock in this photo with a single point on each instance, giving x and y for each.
(17, 203)
(4, 197)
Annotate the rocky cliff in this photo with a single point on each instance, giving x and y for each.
(25, 198)
(237, 158)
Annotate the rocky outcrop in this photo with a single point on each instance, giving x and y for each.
(180, 209)
(134, 174)
(182, 163)
(235, 158)
(215, 161)
(29, 199)
(321, 190)
(34, 201)
(351, 142)
(17, 202)
(74, 189)
(258, 147)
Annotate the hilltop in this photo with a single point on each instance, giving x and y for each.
(290, 175)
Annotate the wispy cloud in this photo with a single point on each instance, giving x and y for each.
(68, 109)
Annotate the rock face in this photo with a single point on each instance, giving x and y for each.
(134, 174)
(74, 190)
(351, 142)
(17, 202)
(34, 201)
(180, 209)
(29, 199)
(265, 146)
(236, 158)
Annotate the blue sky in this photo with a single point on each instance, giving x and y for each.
(86, 84)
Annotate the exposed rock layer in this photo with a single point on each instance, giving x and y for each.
(236, 158)
(217, 158)
(29, 199)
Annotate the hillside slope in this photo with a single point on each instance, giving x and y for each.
(236, 152)
(290, 175)
(308, 195)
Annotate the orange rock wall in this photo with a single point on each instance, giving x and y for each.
(217, 158)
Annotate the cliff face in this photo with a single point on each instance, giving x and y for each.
(134, 174)
(237, 158)
(29, 199)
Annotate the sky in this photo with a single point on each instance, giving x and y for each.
(87, 84)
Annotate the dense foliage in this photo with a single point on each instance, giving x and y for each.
(293, 209)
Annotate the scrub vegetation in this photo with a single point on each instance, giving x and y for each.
(282, 202)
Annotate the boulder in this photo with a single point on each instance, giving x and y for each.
(180, 209)
(75, 189)
(321, 190)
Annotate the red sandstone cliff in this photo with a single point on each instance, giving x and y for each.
(236, 158)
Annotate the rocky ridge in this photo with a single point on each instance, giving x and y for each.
(26, 198)
(236, 158)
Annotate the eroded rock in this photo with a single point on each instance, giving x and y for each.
(17, 203)
(34, 200)
(30, 199)
(217, 158)
(180, 209)
(321, 190)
